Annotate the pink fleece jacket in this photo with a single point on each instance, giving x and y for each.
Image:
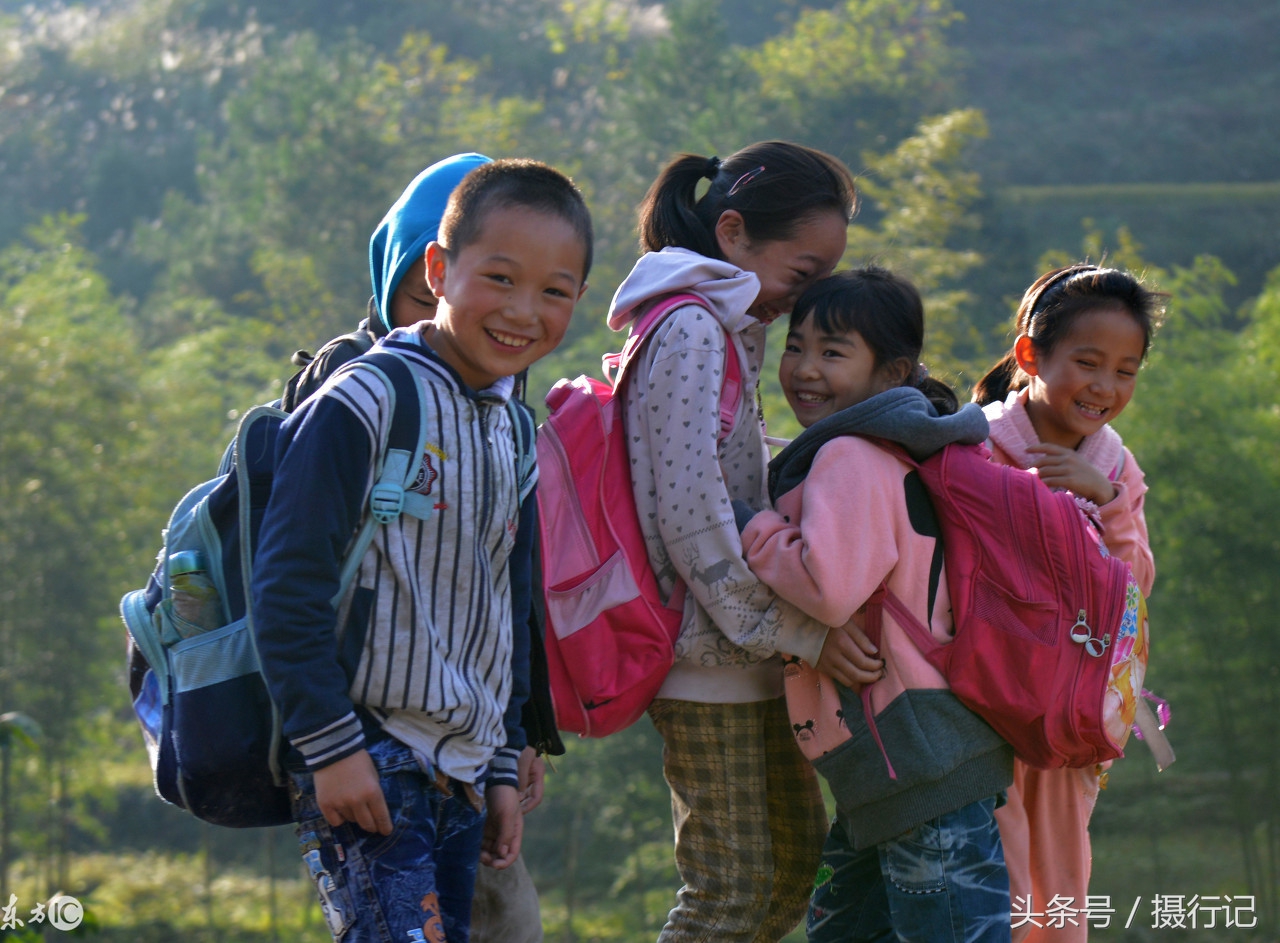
(833, 539)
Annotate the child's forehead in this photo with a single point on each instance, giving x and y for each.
(502, 226)
(1106, 327)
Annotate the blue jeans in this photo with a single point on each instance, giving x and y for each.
(412, 886)
(942, 882)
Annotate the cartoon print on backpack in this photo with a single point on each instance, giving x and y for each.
(1128, 665)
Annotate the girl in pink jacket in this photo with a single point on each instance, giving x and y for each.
(1083, 333)
(914, 852)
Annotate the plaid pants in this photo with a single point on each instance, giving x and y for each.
(749, 820)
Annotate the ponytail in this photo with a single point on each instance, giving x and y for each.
(1000, 381)
(943, 397)
(774, 185)
(669, 216)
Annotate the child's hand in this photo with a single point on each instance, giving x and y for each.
(849, 657)
(503, 828)
(532, 771)
(350, 791)
(1061, 467)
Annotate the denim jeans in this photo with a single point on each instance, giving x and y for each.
(412, 886)
(942, 882)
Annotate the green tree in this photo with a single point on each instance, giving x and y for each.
(859, 75)
(16, 728)
(921, 195)
(69, 371)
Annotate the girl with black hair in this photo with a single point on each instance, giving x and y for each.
(914, 852)
(747, 234)
(1083, 332)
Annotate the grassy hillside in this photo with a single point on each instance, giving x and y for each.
(1093, 104)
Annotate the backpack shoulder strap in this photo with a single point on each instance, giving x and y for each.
(396, 465)
(615, 365)
(317, 368)
(523, 430)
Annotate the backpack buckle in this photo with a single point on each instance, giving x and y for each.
(386, 501)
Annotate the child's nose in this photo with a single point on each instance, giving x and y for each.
(523, 306)
(806, 366)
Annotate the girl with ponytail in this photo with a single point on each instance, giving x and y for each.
(1083, 332)
(747, 234)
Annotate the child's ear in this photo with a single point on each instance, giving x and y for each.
(437, 265)
(1024, 352)
(731, 231)
(581, 291)
(895, 372)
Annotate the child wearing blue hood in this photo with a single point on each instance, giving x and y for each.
(397, 268)
(401, 297)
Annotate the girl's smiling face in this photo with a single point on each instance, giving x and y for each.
(1088, 377)
(823, 373)
(785, 267)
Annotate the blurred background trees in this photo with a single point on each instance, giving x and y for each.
(187, 188)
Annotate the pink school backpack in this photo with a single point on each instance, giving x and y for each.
(1050, 644)
(610, 640)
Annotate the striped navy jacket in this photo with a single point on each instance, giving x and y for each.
(426, 641)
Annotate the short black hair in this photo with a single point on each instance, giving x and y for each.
(512, 182)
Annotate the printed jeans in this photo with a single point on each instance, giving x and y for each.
(412, 886)
(942, 882)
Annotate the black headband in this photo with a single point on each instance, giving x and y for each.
(1065, 275)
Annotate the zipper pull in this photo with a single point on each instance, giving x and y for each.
(1080, 632)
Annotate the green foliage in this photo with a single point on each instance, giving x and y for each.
(227, 162)
(67, 370)
(923, 197)
(857, 76)
(612, 841)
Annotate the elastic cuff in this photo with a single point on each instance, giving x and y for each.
(504, 769)
(331, 742)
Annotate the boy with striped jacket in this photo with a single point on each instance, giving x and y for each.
(394, 705)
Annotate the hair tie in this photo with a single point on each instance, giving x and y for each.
(919, 374)
(711, 168)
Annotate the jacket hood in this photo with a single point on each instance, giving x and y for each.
(903, 415)
(412, 222)
(730, 290)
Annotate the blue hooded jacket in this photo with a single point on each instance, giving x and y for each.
(412, 222)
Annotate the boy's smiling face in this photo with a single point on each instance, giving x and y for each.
(507, 296)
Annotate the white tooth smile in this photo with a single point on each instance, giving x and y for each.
(510, 340)
(1092, 410)
(811, 398)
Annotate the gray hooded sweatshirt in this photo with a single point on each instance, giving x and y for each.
(684, 481)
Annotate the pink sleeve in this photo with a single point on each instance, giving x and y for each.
(844, 544)
(1125, 525)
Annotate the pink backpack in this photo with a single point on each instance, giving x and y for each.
(610, 640)
(1050, 643)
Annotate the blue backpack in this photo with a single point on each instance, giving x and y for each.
(211, 729)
